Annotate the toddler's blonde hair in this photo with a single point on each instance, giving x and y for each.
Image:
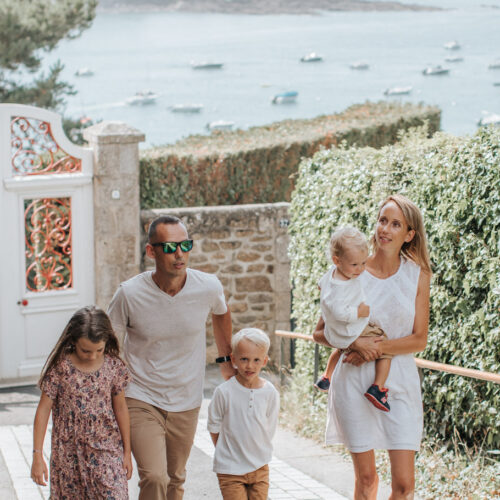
(346, 238)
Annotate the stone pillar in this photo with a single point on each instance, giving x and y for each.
(282, 286)
(117, 233)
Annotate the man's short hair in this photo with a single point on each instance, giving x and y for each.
(255, 335)
(163, 219)
(345, 238)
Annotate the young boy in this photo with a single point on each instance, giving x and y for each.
(242, 419)
(345, 313)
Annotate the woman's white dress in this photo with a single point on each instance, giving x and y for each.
(352, 419)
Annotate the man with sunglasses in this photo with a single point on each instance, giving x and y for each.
(160, 317)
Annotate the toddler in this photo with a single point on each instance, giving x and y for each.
(242, 419)
(344, 312)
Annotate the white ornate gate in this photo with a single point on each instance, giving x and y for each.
(46, 228)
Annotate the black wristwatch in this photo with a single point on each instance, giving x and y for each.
(223, 359)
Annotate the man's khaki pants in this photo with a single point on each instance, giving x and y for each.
(161, 443)
(251, 486)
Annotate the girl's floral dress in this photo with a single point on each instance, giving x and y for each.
(86, 461)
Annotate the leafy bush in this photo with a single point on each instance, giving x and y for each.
(456, 183)
(258, 165)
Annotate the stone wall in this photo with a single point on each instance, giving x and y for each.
(246, 247)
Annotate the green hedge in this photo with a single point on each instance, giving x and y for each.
(456, 182)
(257, 165)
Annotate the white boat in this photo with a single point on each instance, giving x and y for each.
(494, 65)
(454, 59)
(435, 70)
(312, 57)
(359, 65)
(84, 72)
(453, 45)
(142, 98)
(398, 91)
(207, 65)
(285, 97)
(489, 119)
(186, 108)
(220, 125)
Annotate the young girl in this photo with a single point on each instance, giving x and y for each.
(83, 384)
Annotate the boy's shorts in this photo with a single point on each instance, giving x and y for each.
(251, 486)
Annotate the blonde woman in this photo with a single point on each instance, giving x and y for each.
(396, 283)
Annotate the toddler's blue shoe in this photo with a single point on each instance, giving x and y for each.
(322, 384)
(378, 397)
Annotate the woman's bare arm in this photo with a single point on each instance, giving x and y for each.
(319, 333)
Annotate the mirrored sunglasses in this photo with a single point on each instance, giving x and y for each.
(171, 246)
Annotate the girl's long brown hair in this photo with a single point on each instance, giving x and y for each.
(89, 322)
(416, 249)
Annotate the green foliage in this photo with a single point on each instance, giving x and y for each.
(74, 128)
(258, 165)
(27, 29)
(456, 183)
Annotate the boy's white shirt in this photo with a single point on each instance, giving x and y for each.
(246, 421)
(339, 301)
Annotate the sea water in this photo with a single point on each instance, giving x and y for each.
(130, 52)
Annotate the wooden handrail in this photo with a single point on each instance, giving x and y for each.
(421, 363)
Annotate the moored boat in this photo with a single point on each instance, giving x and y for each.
(454, 59)
(285, 97)
(207, 65)
(359, 65)
(398, 91)
(84, 72)
(141, 98)
(435, 70)
(186, 108)
(312, 57)
(220, 125)
(489, 119)
(453, 45)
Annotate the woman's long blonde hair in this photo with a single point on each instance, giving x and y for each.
(416, 249)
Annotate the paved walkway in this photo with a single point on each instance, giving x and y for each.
(16, 444)
(300, 468)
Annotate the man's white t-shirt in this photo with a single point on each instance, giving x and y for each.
(339, 301)
(245, 420)
(164, 337)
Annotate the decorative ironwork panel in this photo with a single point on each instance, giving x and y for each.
(48, 244)
(35, 151)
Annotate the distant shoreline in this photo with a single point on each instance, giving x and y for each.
(257, 7)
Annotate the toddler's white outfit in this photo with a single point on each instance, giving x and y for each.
(339, 301)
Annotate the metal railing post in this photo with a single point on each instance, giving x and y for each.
(316, 362)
